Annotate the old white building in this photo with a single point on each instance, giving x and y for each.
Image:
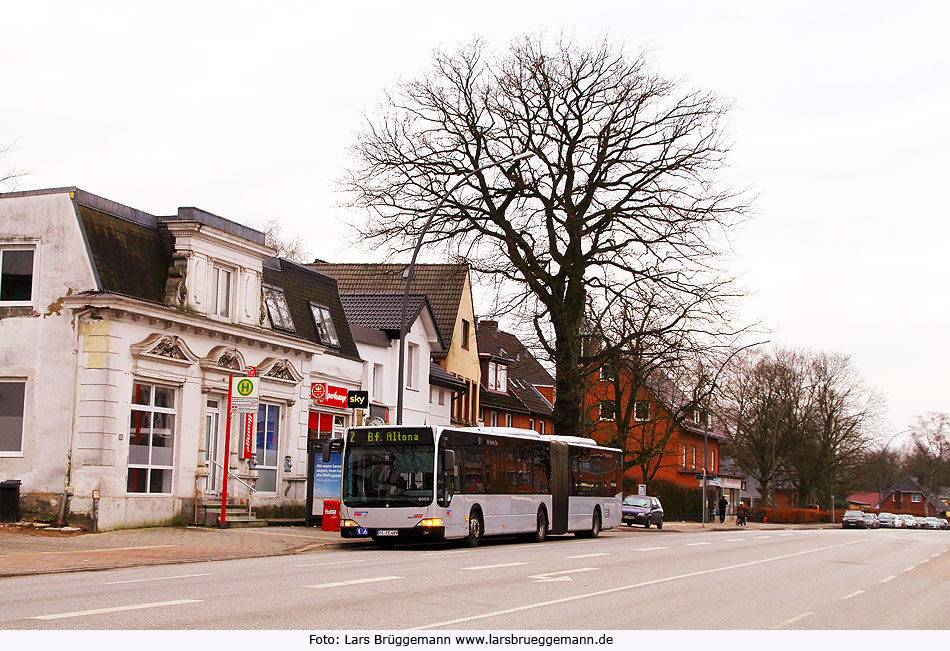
(119, 331)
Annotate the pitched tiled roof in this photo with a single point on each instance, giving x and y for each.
(524, 366)
(871, 499)
(130, 258)
(442, 378)
(381, 311)
(441, 283)
(524, 370)
(303, 286)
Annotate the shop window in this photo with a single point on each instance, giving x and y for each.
(151, 439)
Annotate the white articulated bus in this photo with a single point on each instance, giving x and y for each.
(404, 483)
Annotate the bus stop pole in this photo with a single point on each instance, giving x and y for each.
(227, 459)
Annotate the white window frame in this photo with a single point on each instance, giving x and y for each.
(637, 403)
(540, 427)
(600, 409)
(323, 321)
(412, 366)
(501, 378)
(492, 372)
(377, 382)
(152, 409)
(280, 309)
(684, 455)
(694, 456)
(259, 422)
(507, 420)
(26, 397)
(493, 418)
(217, 275)
(34, 278)
(916, 498)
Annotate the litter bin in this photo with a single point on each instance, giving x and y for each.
(331, 515)
(10, 500)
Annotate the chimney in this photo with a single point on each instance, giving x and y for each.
(489, 327)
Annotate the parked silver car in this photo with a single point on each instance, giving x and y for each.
(932, 523)
(907, 521)
(887, 520)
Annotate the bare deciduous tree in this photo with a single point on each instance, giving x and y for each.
(618, 198)
(9, 176)
(288, 247)
(931, 445)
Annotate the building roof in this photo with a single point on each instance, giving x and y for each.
(872, 499)
(121, 239)
(382, 311)
(442, 284)
(304, 287)
(118, 245)
(524, 372)
(442, 378)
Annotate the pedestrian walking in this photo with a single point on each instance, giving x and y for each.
(723, 504)
(741, 514)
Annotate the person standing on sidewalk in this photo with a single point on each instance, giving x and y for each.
(741, 514)
(723, 504)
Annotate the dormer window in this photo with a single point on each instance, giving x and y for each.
(221, 292)
(324, 322)
(277, 309)
(497, 377)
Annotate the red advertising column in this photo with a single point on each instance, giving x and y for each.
(248, 440)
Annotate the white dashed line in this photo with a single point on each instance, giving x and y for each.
(158, 578)
(908, 569)
(491, 567)
(892, 576)
(694, 544)
(648, 549)
(328, 563)
(763, 536)
(588, 555)
(785, 534)
(794, 619)
(118, 609)
(733, 539)
(853, 594)
(337, 584)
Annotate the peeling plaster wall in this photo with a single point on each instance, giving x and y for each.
(37, 344)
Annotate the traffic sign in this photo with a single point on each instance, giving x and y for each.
(245, 392)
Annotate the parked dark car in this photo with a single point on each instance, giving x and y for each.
(921, 522)
(853, 519)
(642, 509)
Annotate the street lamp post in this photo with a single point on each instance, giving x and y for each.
(410, 272)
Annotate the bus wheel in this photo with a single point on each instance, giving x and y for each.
(595, 526)
(541, 531)
(474, 528)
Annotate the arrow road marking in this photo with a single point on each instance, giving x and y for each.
(336, 584)
(560, 576)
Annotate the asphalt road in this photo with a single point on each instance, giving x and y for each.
(782, 579)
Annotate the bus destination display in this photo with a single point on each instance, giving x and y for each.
(390, 436)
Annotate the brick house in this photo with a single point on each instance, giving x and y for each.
(910, 495)
(516, 391)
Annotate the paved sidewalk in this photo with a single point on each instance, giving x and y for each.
(25, 552)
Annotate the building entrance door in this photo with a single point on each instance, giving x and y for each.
(212, 453)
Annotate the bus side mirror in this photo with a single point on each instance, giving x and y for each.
(330, 446)
(448, 460)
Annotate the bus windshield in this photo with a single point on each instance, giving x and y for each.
(388, 475)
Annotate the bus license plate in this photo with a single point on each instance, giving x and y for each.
(362, 532)
(387, 532)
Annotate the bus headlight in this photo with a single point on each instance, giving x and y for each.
(348, 523)
(431, 522)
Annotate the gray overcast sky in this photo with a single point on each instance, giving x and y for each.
(839, 123)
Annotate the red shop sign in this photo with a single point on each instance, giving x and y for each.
(327, 394)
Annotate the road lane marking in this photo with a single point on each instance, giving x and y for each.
(908, 569)
(560, 576)
(733, 539)
(588, 555)
(892, 576)
(158, 578)
(763, 536)
(794, 619)
(785, 534)
(648, 549)
(935, 555)
(337, 584)
(633, 586)
(694, 544)
(926, 560)
(117, 609)
(491, 567)
(853, 594)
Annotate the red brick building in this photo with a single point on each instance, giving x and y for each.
(515, 389)
(911, 496)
